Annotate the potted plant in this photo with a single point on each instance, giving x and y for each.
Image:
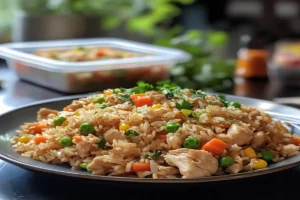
(60, 19)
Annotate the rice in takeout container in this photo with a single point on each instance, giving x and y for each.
(146, 62)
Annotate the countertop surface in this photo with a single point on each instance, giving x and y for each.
(19, 184)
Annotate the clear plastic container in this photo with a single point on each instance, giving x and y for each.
(87, 76)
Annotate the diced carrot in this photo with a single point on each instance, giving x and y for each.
(135, 96)
(215, 146)
(39, 139)
(178, 115)
(141, 100)
(67, 108)
(100, 53)
(77, 138)
(162, 136)
(37, 128)
(140, 166)
(297, 142)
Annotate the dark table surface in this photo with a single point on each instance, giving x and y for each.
(17, 183)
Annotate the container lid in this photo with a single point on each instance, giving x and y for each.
(159, 55)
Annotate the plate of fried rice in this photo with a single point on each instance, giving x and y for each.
(148, 133)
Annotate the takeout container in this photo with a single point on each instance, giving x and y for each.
(78, 77)
(285, 63)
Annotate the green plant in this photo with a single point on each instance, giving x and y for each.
(204, 70)
(146, 17)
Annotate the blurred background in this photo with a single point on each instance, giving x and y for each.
(231, 41)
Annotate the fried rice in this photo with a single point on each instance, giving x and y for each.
(156, 132)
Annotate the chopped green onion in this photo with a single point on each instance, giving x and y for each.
(131, 133)
(99, 100)
(234, 104)
(102, 106)
(101, 143)
(199, 95)
(154, 155)
(184, 105)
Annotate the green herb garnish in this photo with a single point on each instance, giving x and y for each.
(131, 133)
(154, 155)
(118, 90)
(200, 95)
(168, 88)
(142, 87)
(124, 97)
(103, 105)
(223, 100)
(184, 105)
(101, 143)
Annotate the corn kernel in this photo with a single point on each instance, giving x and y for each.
(24, 139)
(124, 127)
(250, 153)
(156, 106)
(77, 113)
(108, 92)
(186, 112)
(259, 164)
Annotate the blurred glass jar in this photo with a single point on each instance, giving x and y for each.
(252, 63)
(285, 63)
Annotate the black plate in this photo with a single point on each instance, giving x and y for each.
(10, 122)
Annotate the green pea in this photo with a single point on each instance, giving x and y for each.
(86, 128)
(83, 165)
(191, 143)
(65, 142)
(234, 104)
(172, 127)
(59, 120)
(102, 106)
(226, 161)
(99, 100)
(101, 143)
(267, 155)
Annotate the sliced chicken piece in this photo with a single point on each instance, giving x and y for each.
(192, 163)
(234, 169)
(164, 172)
(44, 113)
(240, 135)
(125, 149)
(289, 150)
(76, 104)
(106, 163)
(258, 140)
(113, 134)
